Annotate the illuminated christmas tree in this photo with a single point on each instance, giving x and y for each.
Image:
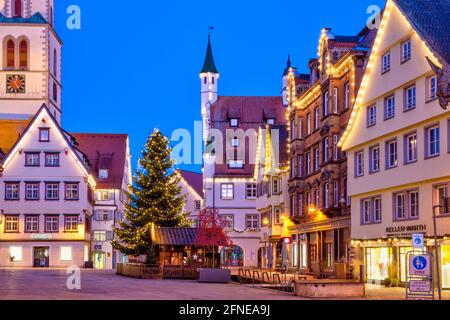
(154, 198)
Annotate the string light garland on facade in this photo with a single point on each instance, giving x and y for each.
(375, 54)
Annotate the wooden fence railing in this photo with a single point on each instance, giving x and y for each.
(142, 271)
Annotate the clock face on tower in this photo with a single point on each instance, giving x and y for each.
(15, 83)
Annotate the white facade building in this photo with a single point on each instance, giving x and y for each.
(230, 135)
(398, 142)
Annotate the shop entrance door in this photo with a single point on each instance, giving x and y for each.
(99, 260)
(41, 257)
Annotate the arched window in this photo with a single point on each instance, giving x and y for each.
(10, 54)
(17, 8)
(23, 54)
(55, 92)
(55, 63)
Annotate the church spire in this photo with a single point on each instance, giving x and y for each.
(209, 66)
(288, 66)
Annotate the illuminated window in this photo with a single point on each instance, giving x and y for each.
(234, 122)
(236, 164)
(15, 253)
(66, 254)
(11, 224)
(227, 191)
(276, 185)
(411, 148)
(270, 122)
(103, 173)
(99, 236)
(308, 124)
(104, 196)
(335, 100)
(71, 223)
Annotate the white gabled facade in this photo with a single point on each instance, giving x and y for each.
(398, 152)
(46, 212)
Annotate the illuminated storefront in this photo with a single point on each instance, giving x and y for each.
(378, 262)
(445, 258)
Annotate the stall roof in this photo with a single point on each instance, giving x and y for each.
(175, 236)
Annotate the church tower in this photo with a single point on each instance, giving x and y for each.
(209, 80)
(30, 57)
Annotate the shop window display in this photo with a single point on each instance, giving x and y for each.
(378, 261)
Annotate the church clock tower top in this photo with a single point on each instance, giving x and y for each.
(31, 11)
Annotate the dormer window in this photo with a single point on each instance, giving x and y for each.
(103, 173)
(271, 121)
(44, 135)
(234, 122)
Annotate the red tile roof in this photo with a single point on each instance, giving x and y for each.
(105, 151)
(194, 180)
(252, 112)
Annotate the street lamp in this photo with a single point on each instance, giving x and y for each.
(436, 246)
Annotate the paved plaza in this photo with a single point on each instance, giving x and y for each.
(31, 284)
(51, 284)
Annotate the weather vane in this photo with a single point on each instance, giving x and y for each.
(210, 30)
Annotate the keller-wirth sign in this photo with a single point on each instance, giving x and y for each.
(405, 230)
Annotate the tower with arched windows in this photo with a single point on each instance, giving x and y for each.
(30, 59)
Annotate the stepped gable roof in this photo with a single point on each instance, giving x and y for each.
(430, 19)
(194, 180)
(104, 151)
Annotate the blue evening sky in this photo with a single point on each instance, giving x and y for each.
(130, 69)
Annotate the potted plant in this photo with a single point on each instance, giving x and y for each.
(210, 236)
(395, 282)
(388, 282)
